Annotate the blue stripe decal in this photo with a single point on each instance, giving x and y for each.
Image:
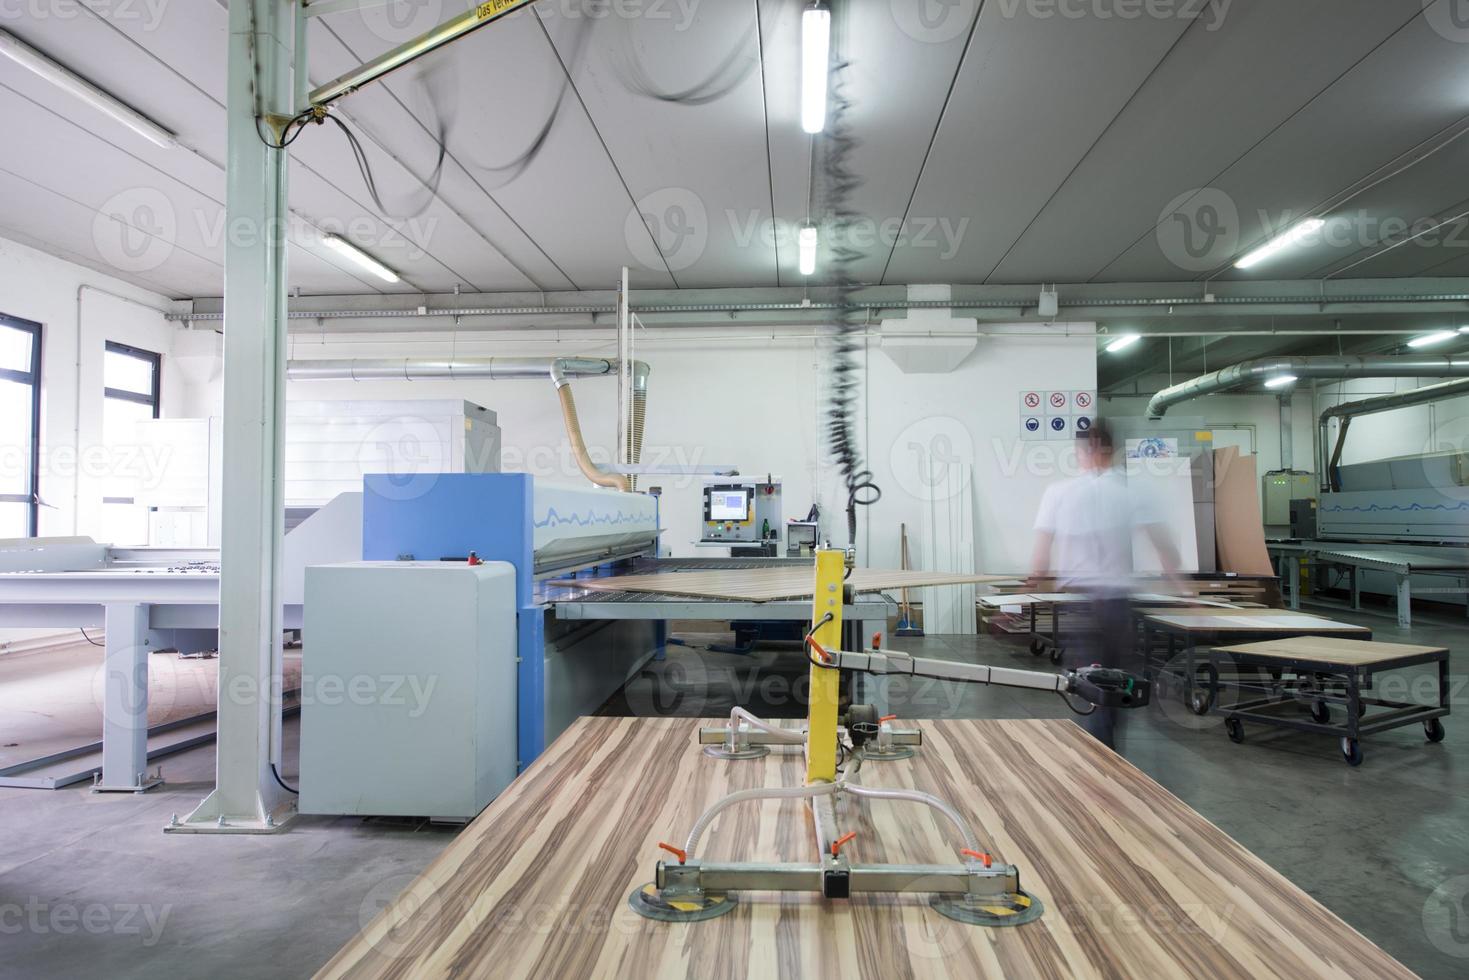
(553, 519)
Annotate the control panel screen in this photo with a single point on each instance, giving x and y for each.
(729, 505)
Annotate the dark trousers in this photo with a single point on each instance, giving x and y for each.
(1112, 644)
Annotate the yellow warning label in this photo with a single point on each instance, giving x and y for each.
(493, 8)
(1204, 436)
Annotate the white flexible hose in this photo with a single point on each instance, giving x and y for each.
(915, 796)
(737, 715)
(761, 793)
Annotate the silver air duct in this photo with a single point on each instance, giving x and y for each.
(558, 370)
(1346, 411)
(1258, 371)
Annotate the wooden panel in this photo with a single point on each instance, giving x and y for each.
(1238, 531)
(766, 584)
(1348, 653)
(1134, 882)
(1263, 620)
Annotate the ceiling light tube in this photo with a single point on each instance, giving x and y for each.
(1290, 239)
(1122, 343)
(807, 245)
(1281, 380)
(343, 247)
(1429, 339)
(68, 81)
(815, 58)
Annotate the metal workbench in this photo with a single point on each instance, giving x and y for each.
(1358, 557)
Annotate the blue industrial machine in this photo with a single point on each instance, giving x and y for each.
(567, 668)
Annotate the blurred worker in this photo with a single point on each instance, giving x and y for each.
(1084, 536)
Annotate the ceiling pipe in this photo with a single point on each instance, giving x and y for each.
(1346, 411)
(558, 370)
(1262, 369)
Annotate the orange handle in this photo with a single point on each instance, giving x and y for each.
(978, 856)
(887, 718)
(877, 641)
(836, 845)
(678, 852)
(820, 652)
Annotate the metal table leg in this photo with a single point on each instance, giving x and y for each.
(1405, 601)
(125, 704)
(1356, 586)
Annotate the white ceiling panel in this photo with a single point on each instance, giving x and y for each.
(1223, 88)
(1033, 96)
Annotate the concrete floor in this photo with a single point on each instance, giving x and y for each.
(90, 884)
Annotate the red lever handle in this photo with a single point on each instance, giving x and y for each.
(678, 852)
(836, 845)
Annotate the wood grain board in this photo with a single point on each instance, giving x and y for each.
(1134, 882)
(1332, 650)
(767, 584)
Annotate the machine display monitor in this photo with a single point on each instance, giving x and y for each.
(729, 505)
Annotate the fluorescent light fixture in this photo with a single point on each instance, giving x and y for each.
(806, 242)
(1122, 343)
(343, 247)
(815, 55)
(1291, 238)
(68, 81)
(1464, 330)
(1281, 380)
(1429, 339)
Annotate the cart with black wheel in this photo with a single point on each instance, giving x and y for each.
(1321, 672)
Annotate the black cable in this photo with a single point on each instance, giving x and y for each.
(299, 120)
(274, 772)
(1073, 707)
(365, 168)
(89, 639)
(839, 184)
(725, 78)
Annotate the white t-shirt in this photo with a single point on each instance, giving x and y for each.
(1092, 518)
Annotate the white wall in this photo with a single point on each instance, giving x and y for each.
(759, 406)
(79, 311)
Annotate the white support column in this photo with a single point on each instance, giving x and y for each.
(125, 701)
(246, 797)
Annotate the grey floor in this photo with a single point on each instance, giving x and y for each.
(90, 885)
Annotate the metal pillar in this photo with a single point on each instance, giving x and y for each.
(125, 701)
(246, 798)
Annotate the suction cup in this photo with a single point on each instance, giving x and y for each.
(1015, 909)
(872, 754)
(652, 903)
(748, 752)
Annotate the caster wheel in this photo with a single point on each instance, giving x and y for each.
(1320, 712)
(1056, 653)
(1351, 751)
(1037, 648)
(1234, 730)
(1201, 700)
(1433, 729)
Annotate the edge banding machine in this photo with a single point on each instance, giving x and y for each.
(979, 891)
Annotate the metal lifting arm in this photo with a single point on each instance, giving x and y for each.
(1098, 685)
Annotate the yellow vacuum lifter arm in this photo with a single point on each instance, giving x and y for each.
(821, 722)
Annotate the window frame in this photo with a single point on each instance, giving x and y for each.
(32, 500)
(155, 401)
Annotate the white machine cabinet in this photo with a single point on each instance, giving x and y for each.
(408, 688)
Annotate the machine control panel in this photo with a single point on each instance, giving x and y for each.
(741, 512)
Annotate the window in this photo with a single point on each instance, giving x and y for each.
(130, 390)
(20, 426)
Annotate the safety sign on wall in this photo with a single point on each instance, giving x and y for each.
(1050, 414)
